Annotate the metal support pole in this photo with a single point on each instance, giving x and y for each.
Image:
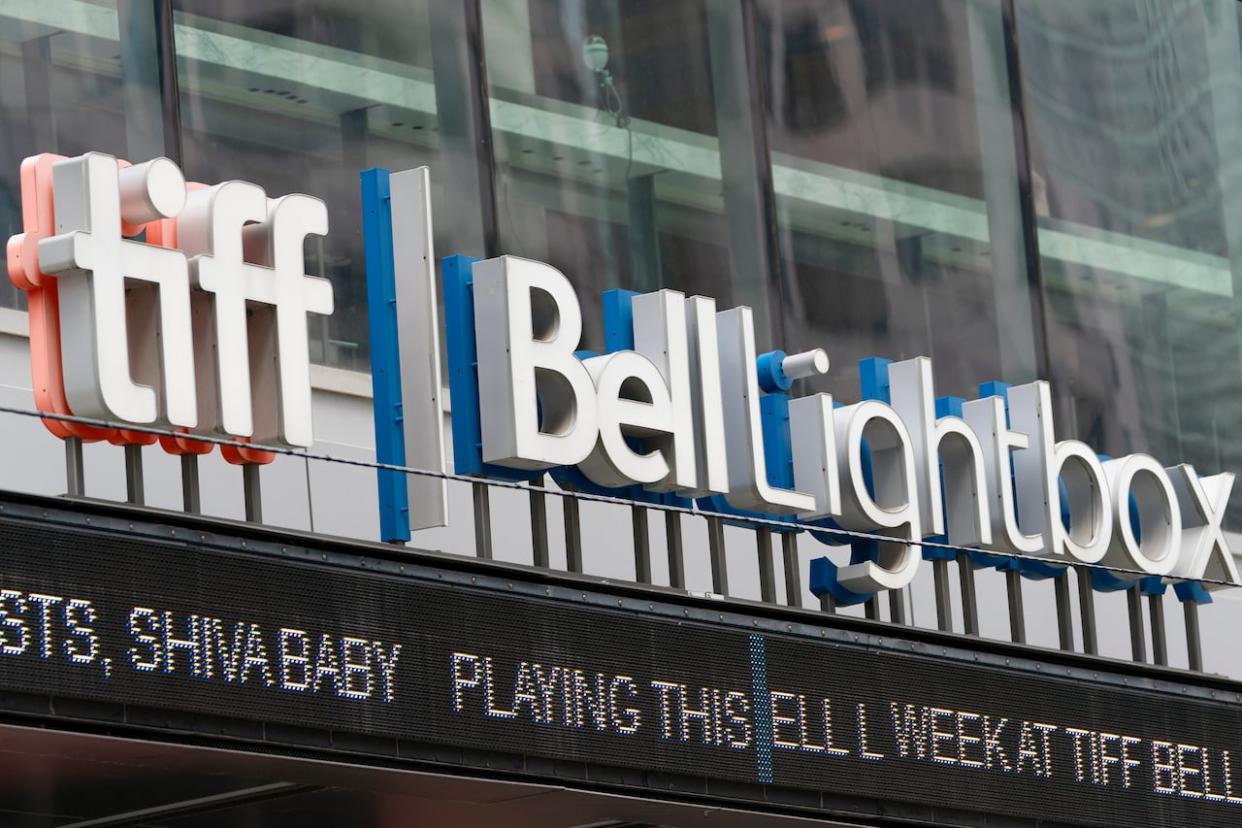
(944, 610)
(1086, 607)
(793, 571)
(1065, 617)
(1134, 605)
(872, 607)
(676, 555)
(970, 599)
(1159, 638)
(75, 471)
(539, 527)
(1194, 645)
(896, 606)
(1017, 616)
(642, 545)
(252, 492)
(827, 603)
(191, 500)
(767, 566)
(133, 474)
(716, 551)
(573, 535)
(482, 521)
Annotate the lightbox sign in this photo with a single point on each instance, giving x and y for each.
(330, 649)
(159, 303)
(683, 407)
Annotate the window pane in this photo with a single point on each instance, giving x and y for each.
(607, 137)
(301, 98)
(62, 90)
(1135, 133)
(893, 159)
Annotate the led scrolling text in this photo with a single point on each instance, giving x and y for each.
(726, 718)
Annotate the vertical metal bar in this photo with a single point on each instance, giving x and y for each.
(1065, 615)
(310, 498)
(827, 603)
(75, 471)
(1010, 281)
(141, 86)
(133, 474)
(252, 492)
(767, 566)
(676, 554)
(170, 90)
(793, 569)
(1086, 610)
(463, 117)
(573, 534)
(970, 598)
(896, 606)
(944, 609)
(1194, 645)
(539, 526)
(716, 553)
(1017, 614)
(643, 233)
(191, 499)
(642, 545)
(745, 161)
(872, 608)
(1159, 637)
(1026, 189)
(1134, 607)
(482, 521)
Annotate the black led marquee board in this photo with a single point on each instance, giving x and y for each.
(411, 663)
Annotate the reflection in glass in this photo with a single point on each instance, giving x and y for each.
(606, 136)
(62, 90)
(1135, 128)
(893, 161)
(301, 98)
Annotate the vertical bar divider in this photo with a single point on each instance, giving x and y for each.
(767, 565)
(944, 609)
(793, 570)
(191, 498)
(970, 598)
(539, 525)
(716, 551)
(896, 606)
(252, 492)
(1134, 608)
(1017, 616)
(1194, 644)
(134, 489)
(1065, 616)
(1086, 601)
(676, 554)
(75, 470)
(642, 544)
(573, 534)
(1159, 636)
(482, 521)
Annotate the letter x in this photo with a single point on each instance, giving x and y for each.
(1203, 501)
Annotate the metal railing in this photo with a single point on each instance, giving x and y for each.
(762, 529)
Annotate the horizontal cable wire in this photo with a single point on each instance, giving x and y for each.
(751, 521)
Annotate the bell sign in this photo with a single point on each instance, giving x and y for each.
(680, 412)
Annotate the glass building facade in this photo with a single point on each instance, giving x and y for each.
(1016, 188)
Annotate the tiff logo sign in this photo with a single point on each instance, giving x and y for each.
(157, 302)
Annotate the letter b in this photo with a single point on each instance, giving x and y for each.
(536, 399)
